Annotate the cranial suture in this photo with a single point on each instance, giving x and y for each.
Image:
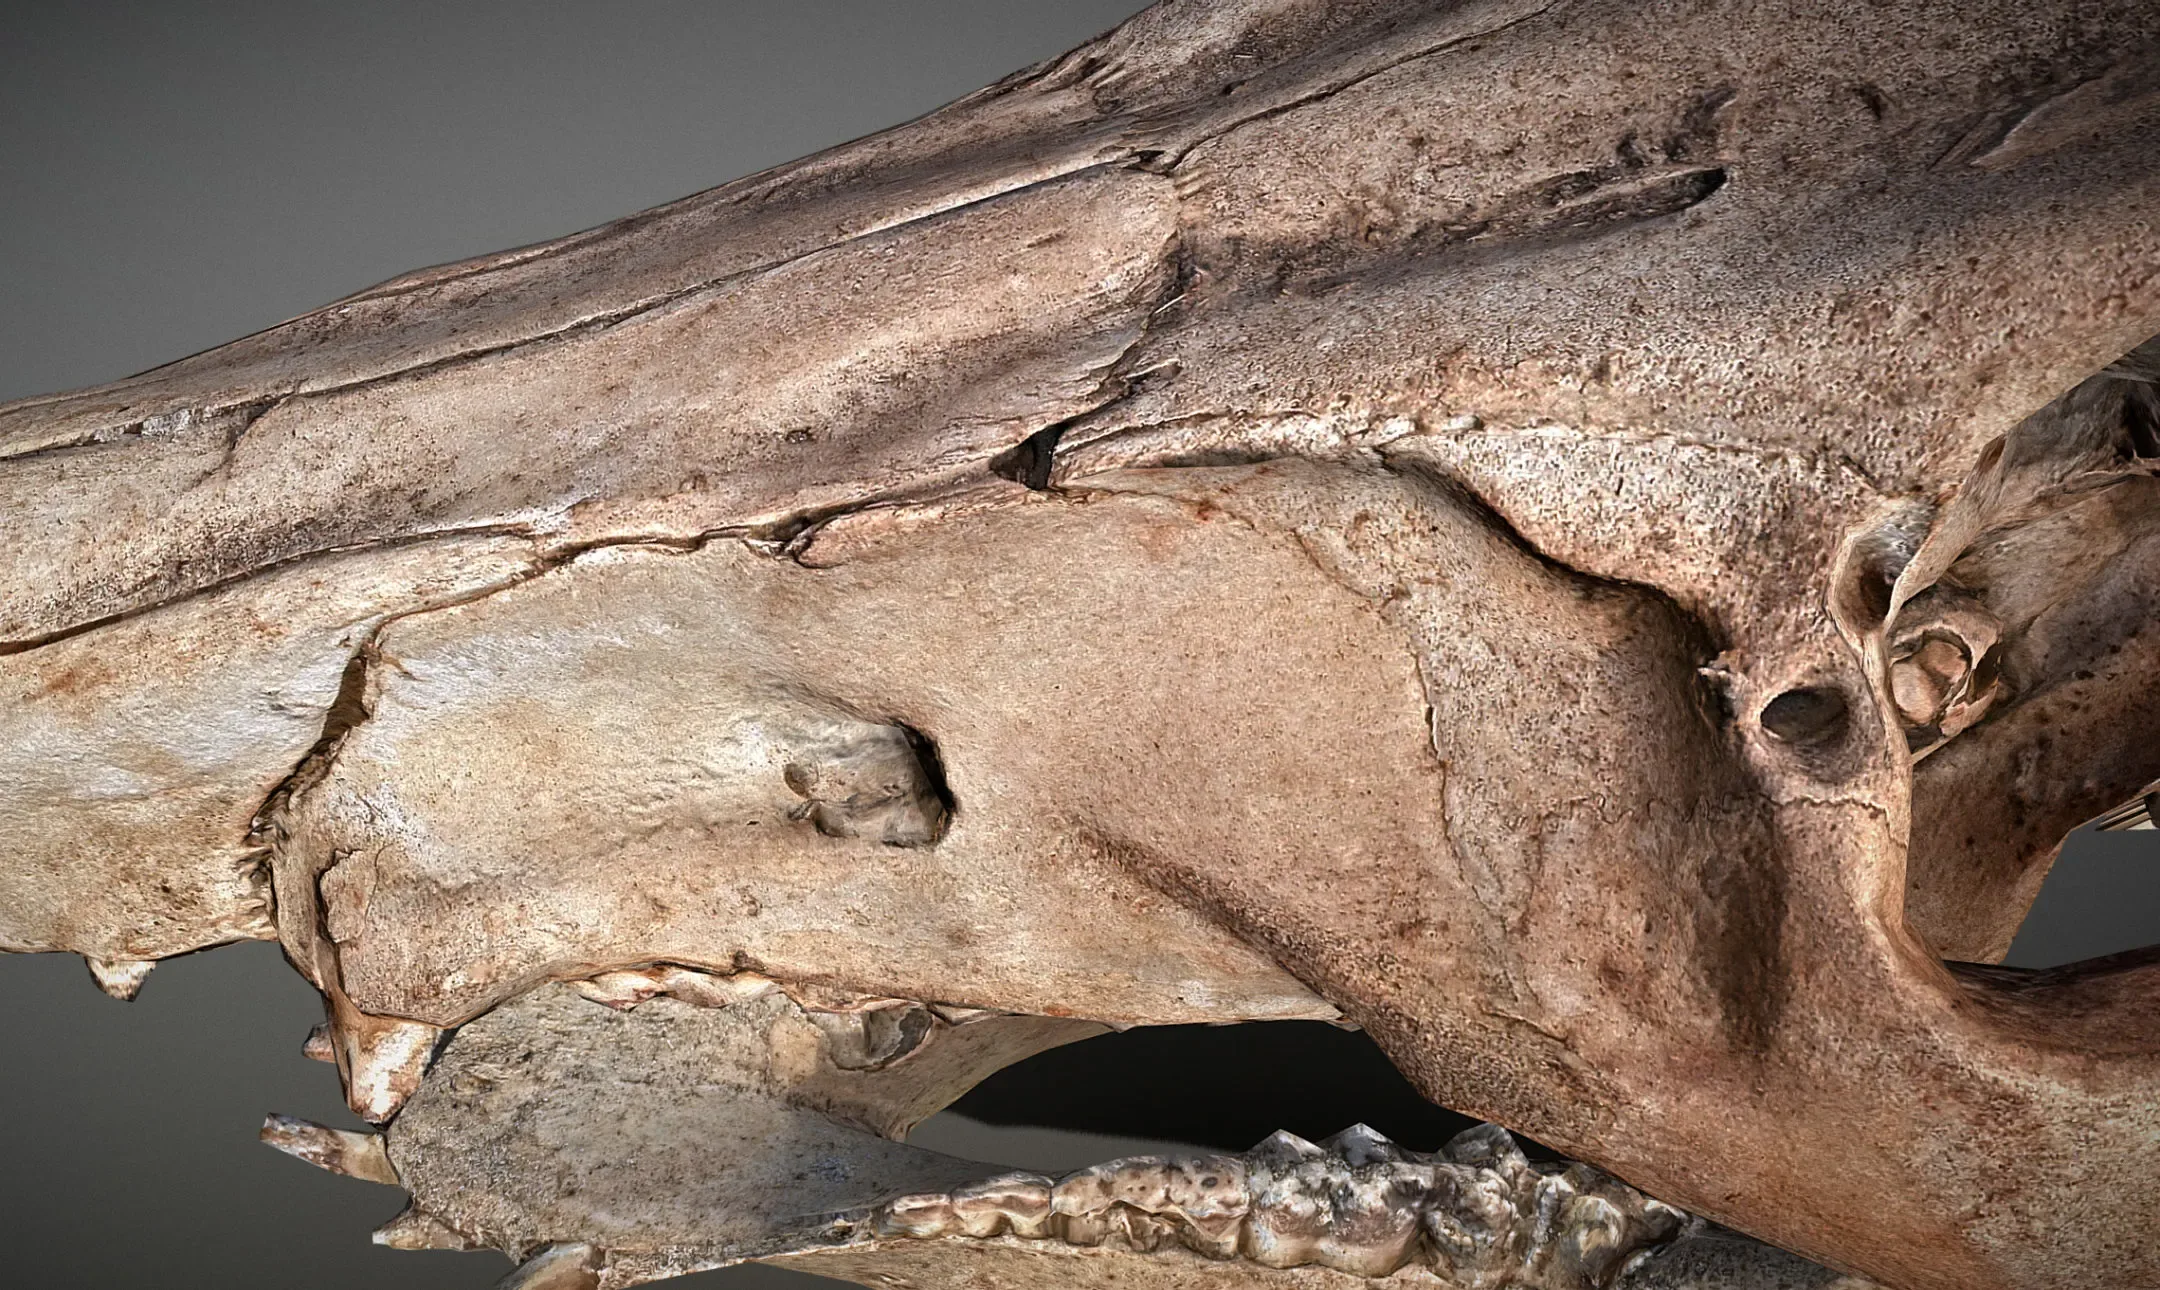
(1605, 546)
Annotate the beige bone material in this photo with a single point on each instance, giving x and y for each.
(1598, 543)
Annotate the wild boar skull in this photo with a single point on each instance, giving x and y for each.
(1600, 543)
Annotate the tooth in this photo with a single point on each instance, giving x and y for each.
(1290, 1209)
(1145, 1232)
(1478, 1214)
(1084, 1192)
(415, 1229)
(1488, 1146)
(1018, 1203)
(1283, 1148)
(569, 1266)
(384, 1060)
(120, 978)
(1470, 1224)
(318, 1047)
(1363, 1145)
(1593, 1236)
(619, 990)
(1374, 1229)
(1085, 1229)
(629, 987)
(341, 1151)
(926, 1214)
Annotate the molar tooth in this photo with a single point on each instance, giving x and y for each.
(1019, 1203)
(626, 988)
(1488, 1146)
(1361, 1144)
(120, 978)
(922, 1214)
(1470, 1222)
(1376, 1219)
(341, 1151)
(1289, 1217)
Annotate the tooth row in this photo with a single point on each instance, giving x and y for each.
(1478, 1211)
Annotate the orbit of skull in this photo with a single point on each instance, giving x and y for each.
(1605, 545)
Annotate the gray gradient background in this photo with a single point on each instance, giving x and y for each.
(175, 176)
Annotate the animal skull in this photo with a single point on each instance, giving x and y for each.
(1604, 544)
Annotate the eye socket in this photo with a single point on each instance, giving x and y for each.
(1809, 716)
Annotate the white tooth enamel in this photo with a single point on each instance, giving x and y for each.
(385, 1059)
(628, 987)
(1285, 1148)
(1478, 1212)
(1018, 1204)
(120, 978)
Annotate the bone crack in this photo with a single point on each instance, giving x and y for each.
(1477, 1213)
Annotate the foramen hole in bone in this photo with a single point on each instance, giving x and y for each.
(1603, 546)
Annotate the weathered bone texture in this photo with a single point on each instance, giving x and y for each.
(1599, 542)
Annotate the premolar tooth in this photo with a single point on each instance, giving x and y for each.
(1361, 1144)
(341, 1151)
(1018, 1203)
(626, 988)
(1290, 1212)
(120, 978)
(568, 1266)
(1283, 1148)
(925, 1214)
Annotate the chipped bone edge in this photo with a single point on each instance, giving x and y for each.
(341, 1151)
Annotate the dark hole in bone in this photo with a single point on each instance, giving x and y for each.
(1028, 462)
(1810, 715)
(933, 764)
(1986, 670)
(1217, 1086)
(1866, 598)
